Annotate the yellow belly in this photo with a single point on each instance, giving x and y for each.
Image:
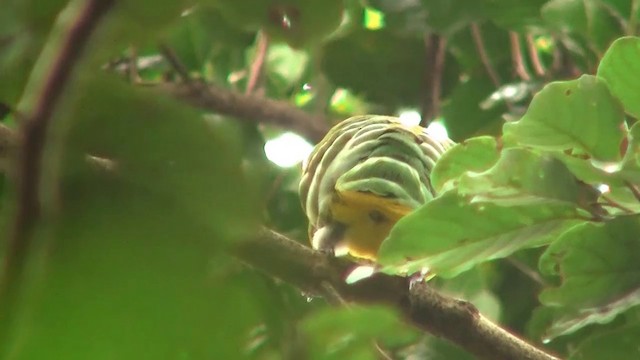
(368, 219)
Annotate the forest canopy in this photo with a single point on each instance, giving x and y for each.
(151, 157)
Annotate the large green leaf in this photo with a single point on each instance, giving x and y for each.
(620, 68)
(167, 148)
(600, 273)
(523, 176)
(129, 262)
(578, 114)
(451, 234)
(475, 154)
(125, 275)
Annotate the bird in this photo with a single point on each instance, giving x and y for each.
(367, 173)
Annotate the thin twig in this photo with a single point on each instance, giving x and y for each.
(614, 204)
(634, 190)
(436, 52)
(484, 57)
(256, 72)
(455, 320)
(382, 352)
(531, 274)
(516, 57)
(534, 56)
(176, 63)
(72, 41)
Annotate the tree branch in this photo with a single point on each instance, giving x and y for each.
(436, 52)
(533, 55)
(256, 72)
(516, 57)
(248, 107)
(455, 320)
(31, 140)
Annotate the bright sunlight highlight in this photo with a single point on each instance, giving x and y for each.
(438, 130)
(410, 117)
(373, 19)
(287, 149)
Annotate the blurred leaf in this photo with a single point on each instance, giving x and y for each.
(619, 68)
(403, 17)
(132, 264)
(377, 64)
(38, 15)
(475, 154)
(299, 23)
(578, 114)
(599, 272)
(285, 68)
(169, 149)
(451, 233)
(584, 170)
(588, 18)
(202, 34)
(620, 344)
(447, 17)
(127, 276)
(336, 333)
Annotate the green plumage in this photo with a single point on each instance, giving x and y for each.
(370, 154)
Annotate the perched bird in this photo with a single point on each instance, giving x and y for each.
(367, 173)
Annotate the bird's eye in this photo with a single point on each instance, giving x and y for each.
(377, 217)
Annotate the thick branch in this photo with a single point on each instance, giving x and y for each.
(455, 320)
(249, 107)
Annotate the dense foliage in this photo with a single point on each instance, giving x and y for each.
(141, 194)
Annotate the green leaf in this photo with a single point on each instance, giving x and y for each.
(619, 344)
(578, 114)
(338, 333)
(589, 19)
(516, 15)
(475, 154)
(202, 34)
(619, 68)
(522, 176)
(125, 275)
(447, 17)
(451, 234)
(600, 273)
(585, 170)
